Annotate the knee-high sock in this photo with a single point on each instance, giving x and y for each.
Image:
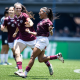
(53, 57)
(27, 69)
(6, 57)
(47, 63)
(2, 58)
(19, 65)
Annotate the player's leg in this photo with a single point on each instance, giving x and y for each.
(6, 55)
(35, 53)
(46, 58)
(46, 62)
(3, 54)
(18, 49)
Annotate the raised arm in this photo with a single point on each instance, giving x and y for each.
(51, 30)
(29, 23)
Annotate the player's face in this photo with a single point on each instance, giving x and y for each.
(11, 11)
(41, 14)
(18, 9)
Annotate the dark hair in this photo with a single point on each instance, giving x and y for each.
(24, 10)
(50, 14)
(6, 10)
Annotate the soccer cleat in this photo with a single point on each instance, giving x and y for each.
(50, 69)
(8, 63)
(60, 57)
(19, 71)
(2, 63)
(16, 67)
(23, 75)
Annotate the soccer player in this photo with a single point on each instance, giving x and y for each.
(10, 26)
(5, 47)
(25, 39)
(44, 27)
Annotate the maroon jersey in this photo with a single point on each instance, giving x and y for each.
(42, 27)
(21, 26)
(11, 24)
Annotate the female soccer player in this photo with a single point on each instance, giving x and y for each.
(10, 24)
(44, 27)
(25, 39)
(5, 47)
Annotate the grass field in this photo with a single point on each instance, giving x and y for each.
(62, 71)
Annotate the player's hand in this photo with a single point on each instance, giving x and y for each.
(50, 28)
(27, 24)
(14, 35)
(2, 28)
(27, 30)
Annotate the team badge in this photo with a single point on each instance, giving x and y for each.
(18, 24)
(21, 21)
(8, 23)
(12, 25)
(18, 20)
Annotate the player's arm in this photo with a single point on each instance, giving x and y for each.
(30, 32)
(3, 28)
(16, 31)
(29, 23)
(51, 30)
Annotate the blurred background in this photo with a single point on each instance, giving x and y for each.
(66, 37)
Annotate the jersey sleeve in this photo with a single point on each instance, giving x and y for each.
(5, 22)
(48, 24)
(25, 15)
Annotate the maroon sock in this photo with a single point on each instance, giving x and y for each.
(53, 57)
(47, 63)
(19, 65)
(27, 69)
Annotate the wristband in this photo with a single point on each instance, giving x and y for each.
(15, 33)
(29, 31)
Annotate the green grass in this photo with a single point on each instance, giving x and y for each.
(62, 71)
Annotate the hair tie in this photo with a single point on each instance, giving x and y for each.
(45, 11)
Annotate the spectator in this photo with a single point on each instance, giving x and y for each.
(77, 34)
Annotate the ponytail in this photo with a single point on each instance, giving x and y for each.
(50, 14)
(6, 10)
(30, 14)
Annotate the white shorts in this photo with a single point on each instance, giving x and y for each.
(27, 43)
(42, 42)
(11, 45)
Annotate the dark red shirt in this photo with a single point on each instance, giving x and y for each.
(43, 27)
(21, 25)
(11, 24)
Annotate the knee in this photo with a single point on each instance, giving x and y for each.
(40, 60)
(17, 54)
